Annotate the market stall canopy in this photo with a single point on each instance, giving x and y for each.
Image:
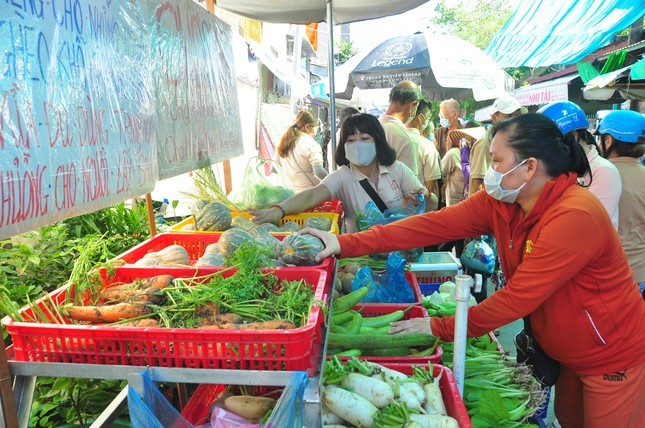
(545, 32)
(443, 66)
(307, 11)
(604, 87)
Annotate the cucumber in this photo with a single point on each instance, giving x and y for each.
(380, 341)
(383, 320)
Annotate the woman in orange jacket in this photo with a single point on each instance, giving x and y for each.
(564, 264)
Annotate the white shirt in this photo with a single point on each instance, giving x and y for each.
(399, 139)
(395, 182)
(453, 176)
(300, 170)
(605, 184)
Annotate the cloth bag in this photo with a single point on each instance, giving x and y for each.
(529, 352)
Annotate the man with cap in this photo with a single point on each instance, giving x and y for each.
(503, 108)
(404, 99)
(622, 141)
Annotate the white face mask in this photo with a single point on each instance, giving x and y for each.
(444, 122)
(360, 153)
(493, 185)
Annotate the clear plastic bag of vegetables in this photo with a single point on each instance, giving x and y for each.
(259, 190)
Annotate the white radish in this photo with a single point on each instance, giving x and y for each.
(331, 418)
(434, 421)
(350, 406)
(417, 389)
(387, 373)
(374, 390)
(434, 402)
(401, 393)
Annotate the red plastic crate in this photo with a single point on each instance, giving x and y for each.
(418, 297)
(294, 349)
(375, 310)
(195, 244)
(198, 409)
(449, 391)
(333, 206)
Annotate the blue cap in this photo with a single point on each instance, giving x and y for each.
(567, 115)
(624, 125)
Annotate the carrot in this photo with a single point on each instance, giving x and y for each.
(159, 281)
(151, 294)
(119, 292)
(145, 322)
(228, 321)
(207, 310)
(112, 313)
(249, 407)
(268, 325)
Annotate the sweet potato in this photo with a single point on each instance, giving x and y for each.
(268, 325)
(107, 314)
(228, 321)
(249, 407)
(145, 322)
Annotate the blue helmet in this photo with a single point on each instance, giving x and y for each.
(624, 125)
(567, 115)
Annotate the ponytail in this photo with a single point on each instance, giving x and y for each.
(578, 161)
(292, 135)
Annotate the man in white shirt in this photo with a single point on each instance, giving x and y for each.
(404, 99)
(429, 163)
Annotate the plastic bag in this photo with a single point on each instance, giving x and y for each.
(479, 256)
(390, 287)
(154, 410)
(221, 418)
(371, 215)
(289, 410)
(259, 190)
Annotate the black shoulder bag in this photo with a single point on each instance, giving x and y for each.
(372, 194)
(529, 352)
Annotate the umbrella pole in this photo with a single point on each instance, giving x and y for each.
(332, 84)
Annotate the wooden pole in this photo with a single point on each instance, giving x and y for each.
(6, 391)
(151, 215)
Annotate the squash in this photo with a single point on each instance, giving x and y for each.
(242, 222)
(212, 249)
(172, 254)
(189, 226)
(146, 262)
(264, 239)
(230, 240)
(300, 250)
(214, 216)
(270, 227)
(290, 226)
(198, 205)
(210, 259)
(320, 223)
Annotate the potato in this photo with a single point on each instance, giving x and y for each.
(249, 407)
(352, 267)
(338, 285)
(347, 282)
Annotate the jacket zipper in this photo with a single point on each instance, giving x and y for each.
(510, 244)
(594, 327)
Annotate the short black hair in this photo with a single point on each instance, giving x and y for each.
(368, 124)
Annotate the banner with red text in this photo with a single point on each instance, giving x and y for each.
(197, 111)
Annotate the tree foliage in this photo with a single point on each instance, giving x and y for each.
(474, 21)
(344, 51)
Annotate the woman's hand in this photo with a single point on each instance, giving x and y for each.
(413, 325)
(268, 215)
(332, 247)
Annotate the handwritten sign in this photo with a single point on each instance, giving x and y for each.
(197, 110)
(100, 98)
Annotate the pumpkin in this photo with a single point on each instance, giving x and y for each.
(242, 222)
(189, 226)
(270, 227)
(231, 240)
(290, 226)
(212, 249)
(214, 216)
(300, 250)
(210, 259)
(264, 239)
(170, 255)
(320, 223)
(198, 205)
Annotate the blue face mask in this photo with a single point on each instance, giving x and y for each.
(444, 122)
(493, 185)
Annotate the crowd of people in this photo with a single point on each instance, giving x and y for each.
(565, 205)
